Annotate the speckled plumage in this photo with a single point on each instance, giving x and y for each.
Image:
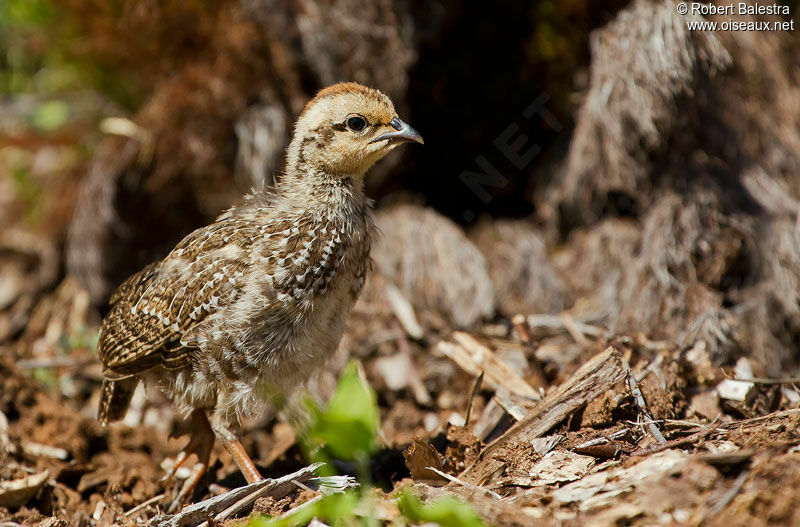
(244, 309)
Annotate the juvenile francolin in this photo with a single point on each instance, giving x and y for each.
(245, 309)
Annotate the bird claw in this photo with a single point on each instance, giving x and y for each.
(200, 444)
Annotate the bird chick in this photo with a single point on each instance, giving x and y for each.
(242, 311)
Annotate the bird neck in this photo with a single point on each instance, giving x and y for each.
(309, 186)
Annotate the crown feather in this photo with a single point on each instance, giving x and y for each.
(343, 88)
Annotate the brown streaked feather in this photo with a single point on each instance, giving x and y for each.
(136, 282)
(115, 398)
(155, 307)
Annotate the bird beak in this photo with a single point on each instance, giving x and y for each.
(403, 134)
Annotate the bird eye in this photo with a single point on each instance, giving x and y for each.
(356, 123)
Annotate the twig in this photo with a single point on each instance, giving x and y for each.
(404, 312)
(234, 500)
(699, 436)
(473, 357)
(39, 450)
(418, 388)
(145, 504)
(602, 440)
(572, 328)
(475, 389)
(642, 404)
(680, 422)
(465, 484)
(557, 322)
(513, 409)
(731, 493)
(756, 420)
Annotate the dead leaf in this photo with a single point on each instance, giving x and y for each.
(420, 455)
(17, 492)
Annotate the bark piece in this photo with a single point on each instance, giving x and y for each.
(595, 377)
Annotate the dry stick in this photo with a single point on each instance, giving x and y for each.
(756, 420)
(731, 493)
(465, 484)
(602, 440)
(145, 504)
(767, 380)
(418, 388)
(602, 372)
(572, 328)
(557, 322)
(699, 436)
(475, 389)
(642, 404)
(196, 513)
(242, 503)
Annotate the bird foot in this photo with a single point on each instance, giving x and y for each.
(200, 443)
(246, 465)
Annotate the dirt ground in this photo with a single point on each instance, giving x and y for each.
(721, 461)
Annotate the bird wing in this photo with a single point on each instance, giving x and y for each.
(154, 309)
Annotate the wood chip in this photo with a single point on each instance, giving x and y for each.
(601, 488)
(555, 468)
(602, 372)
(404, 312)
(16, 492)
(733, 390)
(474, 358)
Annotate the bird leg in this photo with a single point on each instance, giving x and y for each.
(230, 441)
(246, 465)
(200, 443)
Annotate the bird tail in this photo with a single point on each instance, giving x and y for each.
(115, 397)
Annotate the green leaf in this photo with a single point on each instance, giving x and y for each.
(349, 425)
(336, 509)
(445, 511)
(50, 115)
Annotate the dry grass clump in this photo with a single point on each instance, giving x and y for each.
(524, 279)
(688, 254)
(593, 264)
(643, 62)
(709, 252)
(432, 262)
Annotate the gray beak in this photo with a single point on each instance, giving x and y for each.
(404, 133)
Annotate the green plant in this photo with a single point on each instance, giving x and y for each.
(446, 511)
(347, 429)
(336, 508)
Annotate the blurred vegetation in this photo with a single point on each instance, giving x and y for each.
(347, 429)
(39, 43)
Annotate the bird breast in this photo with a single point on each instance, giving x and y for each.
(306, 259)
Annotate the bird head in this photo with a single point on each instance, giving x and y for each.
(345, 130)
